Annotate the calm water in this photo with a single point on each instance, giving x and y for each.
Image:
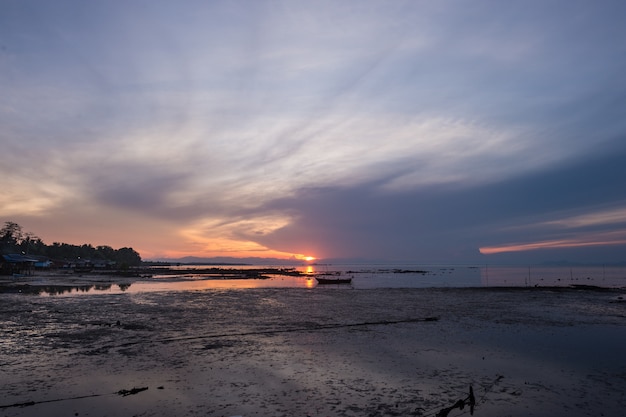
(374, 276)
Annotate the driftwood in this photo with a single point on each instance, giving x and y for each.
(122, 392)
(460, 404)
(126, 392)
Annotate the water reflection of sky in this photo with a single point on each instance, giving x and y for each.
(363, 277)
(170, 285)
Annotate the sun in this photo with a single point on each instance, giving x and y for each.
(309, 258)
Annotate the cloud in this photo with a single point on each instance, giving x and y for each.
(589, 240)
(452, 221)
(603, 217)
(405, 129)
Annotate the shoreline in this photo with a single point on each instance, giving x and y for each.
(57, 283)
(285, 352)
(200, 277)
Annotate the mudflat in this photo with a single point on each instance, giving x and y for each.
(315, 352)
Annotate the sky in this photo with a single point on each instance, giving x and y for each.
(424, 131)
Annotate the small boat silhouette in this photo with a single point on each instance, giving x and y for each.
(323, 281)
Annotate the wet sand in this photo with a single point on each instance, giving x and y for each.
(314, 352)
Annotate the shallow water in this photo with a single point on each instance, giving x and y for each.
(363, 277)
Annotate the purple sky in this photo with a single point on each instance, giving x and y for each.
(447, 131)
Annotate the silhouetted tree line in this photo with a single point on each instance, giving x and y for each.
(14, 240)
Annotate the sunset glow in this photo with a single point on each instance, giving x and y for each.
(553, 244)
(408, 130)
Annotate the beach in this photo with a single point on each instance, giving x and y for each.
(315, 352)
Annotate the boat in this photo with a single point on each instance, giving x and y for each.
(323, 281)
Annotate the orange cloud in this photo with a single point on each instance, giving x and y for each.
(216, 238)
(607, 239)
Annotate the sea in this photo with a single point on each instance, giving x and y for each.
(192, 278)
